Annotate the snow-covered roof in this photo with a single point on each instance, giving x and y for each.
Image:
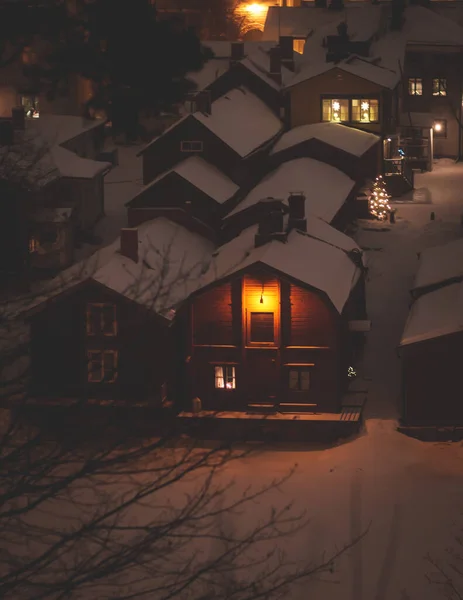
(311, 261)
(212, 70)
(349, 139)
(325, 187)
(223, 48)
(71, 165)
(425, 26)
(57, 129)
(241, 120)
(203, 175)
(172, 261)
(439, 264)
(434, 315)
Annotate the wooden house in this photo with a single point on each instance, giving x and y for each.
(194, 186)
(432, 341)
(233, 134)
(270, 330)
(107, 335)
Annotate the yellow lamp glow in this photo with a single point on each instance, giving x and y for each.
(336, 105)
(437, 126)
(255, 9)
(365, 105)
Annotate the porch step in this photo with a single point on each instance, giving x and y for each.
(262, 408)
(297, 407)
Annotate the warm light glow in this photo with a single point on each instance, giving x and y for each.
(365, 105)
(336, 105)
(437, 126)
(379, 200)
(255, 9)
(251, 15)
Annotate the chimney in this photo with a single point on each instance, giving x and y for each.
(129, 243)
(271, 227)
(237, 52)
(275, 64)
(297, 220)
(18, 117)
(6, 132)
(287, 51)
(203, 102)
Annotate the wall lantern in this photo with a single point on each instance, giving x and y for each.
(440, 128)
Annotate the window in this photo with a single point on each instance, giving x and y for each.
(365, 110)
(439, 87)
(33, 245)
(30, 104)
(102, 366)
(415, 87)
(225, 377)
(101, 319)
(195, 146)
(298, 46)
(262, 328)
(335, 110)
(299, 379)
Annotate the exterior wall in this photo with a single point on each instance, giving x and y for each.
(172, 191)
(306, 98)
(59, 346)
(432, 383)
(307, 332)
(165, 152)
(426, 65)
(87, 195)
(357, 168)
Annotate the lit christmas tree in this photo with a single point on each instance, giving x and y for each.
(379, 200)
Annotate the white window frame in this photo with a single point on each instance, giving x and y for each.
(225, 377)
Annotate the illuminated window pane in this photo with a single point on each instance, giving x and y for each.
(298, 46)
(225, 377)
(335, 110)
(439, 87)
(415, 86)
(365, 110)
(31, 106)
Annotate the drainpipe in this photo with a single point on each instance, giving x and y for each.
(460, 100)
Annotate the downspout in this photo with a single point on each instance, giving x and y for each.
(460, 100)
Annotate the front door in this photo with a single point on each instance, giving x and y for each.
(262, 375)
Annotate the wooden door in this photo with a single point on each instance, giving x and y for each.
(262, 375)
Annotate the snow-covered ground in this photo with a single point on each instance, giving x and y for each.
(410, 492)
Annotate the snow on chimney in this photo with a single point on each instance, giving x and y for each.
(129, 243)
(237, 52)
(297, 220)
(287, 51)
(275, 64)
(271, 227)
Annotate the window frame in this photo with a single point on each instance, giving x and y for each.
(226, 377)
(186, 146)
(35, 104)
(349, 99)
(440, 87)
(101, 355)
(370, 110)
(332, 99)
(413, 85)
(299, 369)
(267, 344)
(89, 322)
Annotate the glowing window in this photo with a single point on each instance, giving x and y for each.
(225, 377)
(415, 86)
(30, 104)
(365, 110)
(299, 379)
(439, 87)
(298, 46)
(33, 245)
(335, 110)
(101, 319)
(102, 366)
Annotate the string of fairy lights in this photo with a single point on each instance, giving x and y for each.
(379, 205)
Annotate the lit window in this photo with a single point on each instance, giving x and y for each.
(225, 377)
(102, 366)
(101, 319)
(33, 245)
(365, 110)
(262, 328)
(335, 110)
(299, 379)
(31, 106)
(439, 87)
(415, 87)
(298, 46)
(193, 146)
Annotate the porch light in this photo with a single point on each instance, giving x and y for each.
(437, 126)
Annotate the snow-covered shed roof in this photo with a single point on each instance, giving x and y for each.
(311, 261)
(439, 264)
(425, 26)
(239, 118)
(57, 129)
(72, 165)
(325, 187)
(434, 315)
(203, 175)
(351, 140)
(172, 261)
(242, 121)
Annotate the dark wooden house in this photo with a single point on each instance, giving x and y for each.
(108, 337)
(271, 330)
(232, 133)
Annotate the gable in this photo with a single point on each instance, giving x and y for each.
(336, 81)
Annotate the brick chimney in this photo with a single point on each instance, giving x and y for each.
(237, 52)
(287, 51)
(271, 227)
(275, 64)
(297, 220)
(18, 117)
(129, 243)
